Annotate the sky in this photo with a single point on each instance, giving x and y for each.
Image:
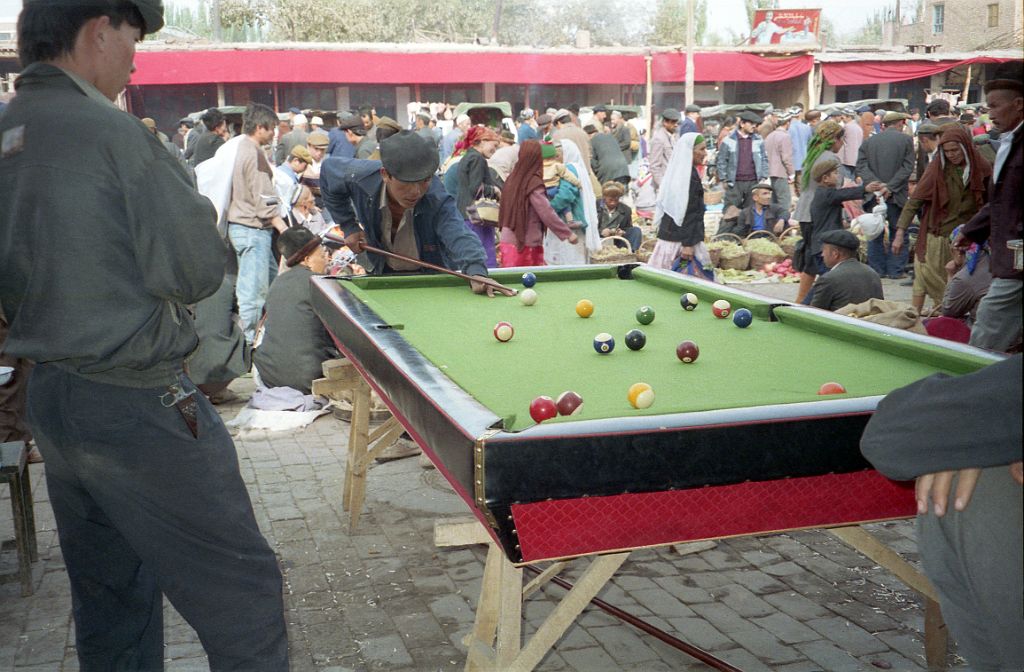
(723, 15)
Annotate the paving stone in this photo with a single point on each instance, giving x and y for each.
(786, 568)
(700, 633)
(742, 601)
(41, 647)
(623, 644)
(592, 659)
(688, 594)
(388, 651)
(851, 637)
(796, 605)
(830, 656)
(786, 628)
(723, 618)
(909, 645)
(757, 581)
(743, 659)
(866, 616)
(451, 609)
(894, 660)
(658, 601)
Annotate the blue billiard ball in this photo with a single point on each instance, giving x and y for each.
(636, 339)
(742, 318)
(529, 279)
(604, 343)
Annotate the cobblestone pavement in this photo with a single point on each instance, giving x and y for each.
(385, 598)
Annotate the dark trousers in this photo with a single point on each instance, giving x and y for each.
(739, 194)
(144, 508)
(880, 256)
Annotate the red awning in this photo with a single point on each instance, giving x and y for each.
(374, 67)
(873, 72)
(724, 66)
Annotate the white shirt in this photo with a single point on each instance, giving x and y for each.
(1005, 140)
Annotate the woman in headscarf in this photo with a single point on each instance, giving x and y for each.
(826, 141)
(952, 189)
(476, 181)
(526, 213)
(679, 212)
(582, 203)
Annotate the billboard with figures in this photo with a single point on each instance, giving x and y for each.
(785, 26)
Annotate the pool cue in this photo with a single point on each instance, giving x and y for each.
(507, 291)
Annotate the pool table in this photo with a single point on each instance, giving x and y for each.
(738, 442)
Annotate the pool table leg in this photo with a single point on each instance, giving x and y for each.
(499, 610)
(936, 634)
(363, 446)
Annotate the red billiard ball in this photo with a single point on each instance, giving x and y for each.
(569, 403)
(543, 408)
(687, 352)
(721, 308)
(504, 332)
(831, 388)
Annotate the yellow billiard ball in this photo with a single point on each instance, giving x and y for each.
(640, 395)
(584, 308)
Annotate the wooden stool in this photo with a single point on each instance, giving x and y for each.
(14, 470)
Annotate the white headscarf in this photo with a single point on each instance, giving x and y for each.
(571, 156)
(674, 193)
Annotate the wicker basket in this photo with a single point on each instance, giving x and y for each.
(716, 255)
(646, 249)
(740, 263)
(714, 196)
(788, 240)
(610, 253)
(759, 259)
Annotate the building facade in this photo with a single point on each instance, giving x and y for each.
(966, 25)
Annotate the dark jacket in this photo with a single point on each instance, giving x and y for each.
(295, 343)
(849, 282)
(619, 218)
(744, 222)
(827, 213)
(128, 242)
(607, 160)
(948, 422)
(474, 180)
(999, 220)
(887, 157)
(206, 146)
(351, 191)
(691, 231)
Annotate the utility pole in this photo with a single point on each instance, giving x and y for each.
(215, 18)
(497, 22)
(691, 31)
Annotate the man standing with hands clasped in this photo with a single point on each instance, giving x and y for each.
(142, 474)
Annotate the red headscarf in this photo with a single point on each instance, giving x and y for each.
(932, 189)
(526, 177)
(474, 135)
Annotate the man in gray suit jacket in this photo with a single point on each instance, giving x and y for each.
(848, 281)
(888, 157)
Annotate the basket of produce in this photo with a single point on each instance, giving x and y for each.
(610, 253)
(721, 242)
(713, 196)
(788, 240)
(646, 249)
(763, 250)
(733, 257)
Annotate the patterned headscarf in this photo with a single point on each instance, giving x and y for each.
(973, 253)
(825, 135)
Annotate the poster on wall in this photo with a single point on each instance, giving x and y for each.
(785, 26)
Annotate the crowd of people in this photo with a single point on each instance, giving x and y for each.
(141, 287)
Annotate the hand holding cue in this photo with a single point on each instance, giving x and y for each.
(487, 282)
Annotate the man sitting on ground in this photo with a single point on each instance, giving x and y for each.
(760, 215)
(295, 342)
(848, 280)
(615, 218)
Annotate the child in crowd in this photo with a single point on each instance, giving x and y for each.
(554, 172)
(615, 218)
(827, 212)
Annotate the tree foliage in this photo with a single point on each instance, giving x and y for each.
(670, 22)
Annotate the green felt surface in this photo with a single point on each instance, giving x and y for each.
(766, 363)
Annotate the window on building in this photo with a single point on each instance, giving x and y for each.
(938, 19)
(307, 96)
(993, 15)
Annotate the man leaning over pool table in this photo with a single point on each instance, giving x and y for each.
(397, 204)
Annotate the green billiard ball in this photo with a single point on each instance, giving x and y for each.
(645, 314)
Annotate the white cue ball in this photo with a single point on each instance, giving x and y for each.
(528, 297)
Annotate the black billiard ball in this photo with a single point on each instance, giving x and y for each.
(636, 339)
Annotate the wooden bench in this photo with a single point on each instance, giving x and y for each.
(14, 470)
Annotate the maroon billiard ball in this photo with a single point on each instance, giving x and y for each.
(569, 403)
(543, 408)
(687, 352)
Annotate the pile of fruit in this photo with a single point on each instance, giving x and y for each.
(764, 246)
(781, 270)
(727, 249)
